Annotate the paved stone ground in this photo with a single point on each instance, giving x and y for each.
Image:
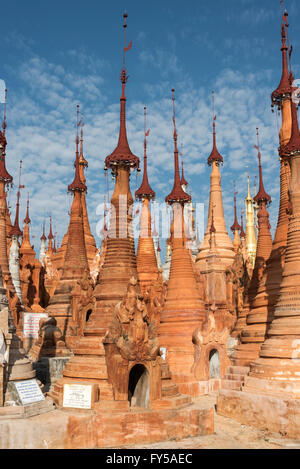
(229, 434)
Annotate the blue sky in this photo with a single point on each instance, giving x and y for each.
(57, 54)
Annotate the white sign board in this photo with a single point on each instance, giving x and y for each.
(29, 391)
(31, 324)
(78, 396)
(163, 352)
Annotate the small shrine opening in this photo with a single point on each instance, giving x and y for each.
(214, 364)
(138, 386)
(88, 314)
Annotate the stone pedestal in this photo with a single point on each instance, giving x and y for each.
(271, 413)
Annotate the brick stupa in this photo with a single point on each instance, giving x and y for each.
(254, 331)
(183, 310)
(118, 356)
(147, 268)
(223, 241)
(30, 269)
(61, 305)
(271, 392)
(5, 179)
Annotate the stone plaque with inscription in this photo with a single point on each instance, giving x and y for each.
(29, 391)
(78, 396)
(31, 324)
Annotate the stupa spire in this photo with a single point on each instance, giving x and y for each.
(50, 235)
(82, 161)
(122, 153)
(16, 231)
(242, 232)
(115, 275)
(223, 241)
(146, 257)
(250, 229)
(215, 155)
(183, 181)
(283, 88)
(4, 175)
(27, 219)
(43, 237)
(261, 196)
(75, 264)
(184, 309)
(255, 327)
(90, 244)
(26, 238)
(145, 190)
(77, 184)
(235, 226)
(177, 194)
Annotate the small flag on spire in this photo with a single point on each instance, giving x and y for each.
(126, 49)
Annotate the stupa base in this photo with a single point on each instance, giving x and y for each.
(267, 412)
(25, 411)
(194, 388)
(72, 429)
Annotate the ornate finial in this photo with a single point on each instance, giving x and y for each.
(77, 184)
(145, 190)
(27, 219)
(175, 131)
(177, 194)
(43, 237)
(82, 160)
(242, 232)
(283, 89)
(215, 155)
(50, 236)
(124, 76)
(183, 181)
(235, 226)
(15, 231)
(261, 196)
(4, 113)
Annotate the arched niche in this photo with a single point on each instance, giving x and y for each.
(138, 386)
(214, 364)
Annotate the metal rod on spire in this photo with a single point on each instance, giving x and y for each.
(173, 99)
(4, 113)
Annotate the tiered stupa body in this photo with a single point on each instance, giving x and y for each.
(183, 310)
(249, 345)
(147, 268)
(223, 241)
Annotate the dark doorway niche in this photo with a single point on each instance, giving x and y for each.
(214, 364)
(88, 314)
(138, 386)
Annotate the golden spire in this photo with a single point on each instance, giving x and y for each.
(250, 229)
